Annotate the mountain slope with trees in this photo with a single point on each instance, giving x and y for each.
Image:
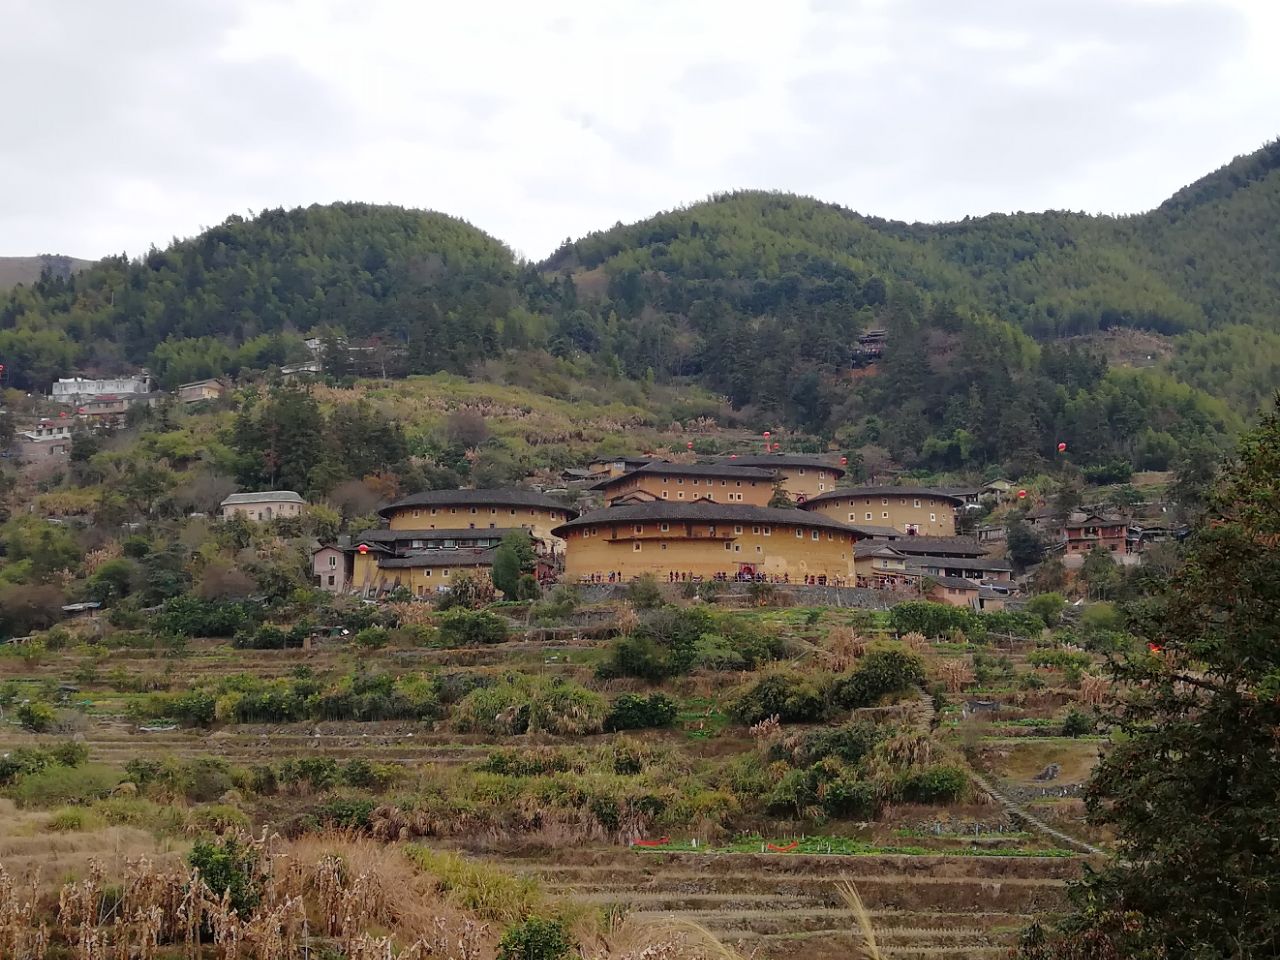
(758, 296)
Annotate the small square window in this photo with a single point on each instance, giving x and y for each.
(636, 546)
(728, 545)
(759, 549)
(415, 513)
(821, 487)
(933, 516)
(885, 515)
(802, 471)
(756, 531)
(428, 571)
(737, 531)
(680, 495)
(444, 572)
(869, 517)
(917, 503)
(679, 480)
(768, 531)
(664, 527)
(816, 535)
(331, 579)
(663, 546)
(433, 511)
(473, 511)
(664, 495)
(799, 534)
(884, 501)
(333, 562)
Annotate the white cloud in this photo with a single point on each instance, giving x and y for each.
(539, 121)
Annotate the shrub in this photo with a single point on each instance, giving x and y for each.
(930, 619)
(217, 818)
(230, 866)
(36, 716)
(935, 784)
(793, 697)
(535, 939)
(879, 674)
(465, 628)
(524, 704)
(26, 760)
(850, 798)
(372, 638)
(364, 775)
(633, 712)
(643, 593)
(562, 603)
(848, 743)
(664, 644)
(1048, 607)
(349, 813)
(467, 593)
(1061, 659)
(1077, 724)
(59, 785)
(190, 616)
(73, 819)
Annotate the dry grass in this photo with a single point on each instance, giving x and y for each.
(867, 947)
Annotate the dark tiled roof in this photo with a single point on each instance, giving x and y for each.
(703, 511)
(967, 563)
(940, 546)
(393, 536)
(955, 583)
(442, 558)
(689, 470)
(878, 533)
(786, 460)
(880, 492)
(478, 498)
(875, 548)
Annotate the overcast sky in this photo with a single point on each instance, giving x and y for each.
(132, 122)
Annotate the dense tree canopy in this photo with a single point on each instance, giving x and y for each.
(760, 296)
(1193, 787)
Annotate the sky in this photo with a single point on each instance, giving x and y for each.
(129, 124)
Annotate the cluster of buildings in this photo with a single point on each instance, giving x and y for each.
(683, 522)
(98, 402)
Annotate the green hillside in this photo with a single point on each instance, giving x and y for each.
(756, 296)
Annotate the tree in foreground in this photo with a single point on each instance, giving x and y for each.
(1192, 789)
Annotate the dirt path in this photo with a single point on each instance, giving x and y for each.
(1031, 820)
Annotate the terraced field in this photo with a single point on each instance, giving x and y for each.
(787, 906)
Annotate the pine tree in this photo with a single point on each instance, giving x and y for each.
(1192, 790)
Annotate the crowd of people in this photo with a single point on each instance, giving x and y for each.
(679, 576)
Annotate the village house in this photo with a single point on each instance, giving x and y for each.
(878, 565)
(1085, 533)
(954, 591)
(264, 505)
(200, 390)
(690, 481)
(916, 511)
(482, 509)
(425, 562)
(984, 569)
(78, 390)
(617, 466)
(802, 477)
(1047, 522)
(707, 540)
(45, 441)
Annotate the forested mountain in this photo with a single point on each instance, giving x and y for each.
(759, 296)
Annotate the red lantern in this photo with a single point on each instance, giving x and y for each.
(82, 409)
(777, 446)
(1062, 448)
(362, 549)
(844, 461)
(1154, 647)
(767, 434)
(733, 456)
(689, 445)
(1022, 494)
(63, 414)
